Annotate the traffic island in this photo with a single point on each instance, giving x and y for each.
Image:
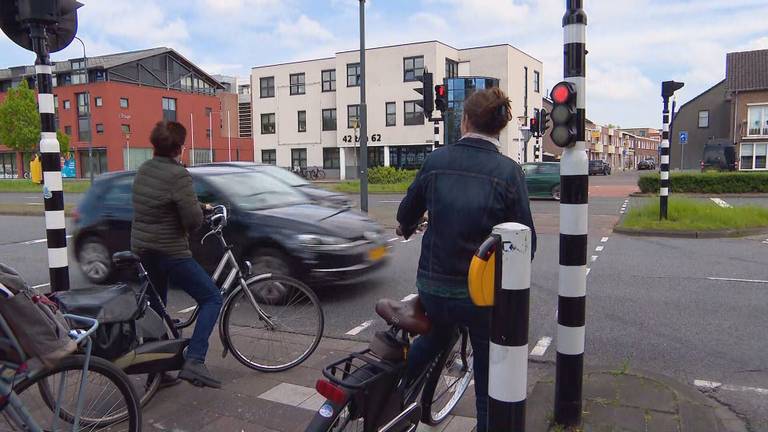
(633, 400)
(689, 218)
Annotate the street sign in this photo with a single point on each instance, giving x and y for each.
(683, 137)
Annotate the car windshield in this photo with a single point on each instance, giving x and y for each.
(256, 191)
(285, 176)
(595, 162)
(713, 154)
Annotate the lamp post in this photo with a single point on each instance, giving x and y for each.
(363, 118)
(88, 112)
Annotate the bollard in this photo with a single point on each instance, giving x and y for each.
(511, 269)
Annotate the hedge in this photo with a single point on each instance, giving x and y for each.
(390, 175)
(712, 183)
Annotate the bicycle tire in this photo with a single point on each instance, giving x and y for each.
(448, 361)
(97, 366)
(320, 174)
(299, 293)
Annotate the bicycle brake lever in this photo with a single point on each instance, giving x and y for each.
(205, 237)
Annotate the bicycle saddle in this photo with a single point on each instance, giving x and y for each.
(125, 258)
(408, 315)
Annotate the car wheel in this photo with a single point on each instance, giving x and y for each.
(556, 192)
(95, 260)
(275, 262)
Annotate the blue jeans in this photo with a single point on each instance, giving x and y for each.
(446, 313)
(186, 273)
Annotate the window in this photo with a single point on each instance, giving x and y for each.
(537, 81)
(267, 86)
(753, 156)
(269, 157)
(99, 101)
(77, 64)
(413, 68)
(353, 116)
(757, 120)
(760, 155)
(413, 114)
(747, 153)
(83, 107)
(353, 74)
(329, 119)
(83, 129)
(268, 124)
(297, 84)
(451, 68)
(703, 119)
(329, 80)
(99, 128)
(207, 133)
(331, 158)
(299, 157)
(169, 109)
(121, 192)
(302, 117)
(67, 104)
(201, 156)
(79, 78)
(124, 103)
(391, 110)
(208, 112)
(125, 128)
(68, 130)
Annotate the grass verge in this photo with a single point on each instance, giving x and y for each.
(353, 187)
(694, 215)
(24, 185)
(20, 209)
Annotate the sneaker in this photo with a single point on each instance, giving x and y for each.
(198, 374)
(168, 380)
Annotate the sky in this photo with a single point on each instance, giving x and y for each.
(633, 44)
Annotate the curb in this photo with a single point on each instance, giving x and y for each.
(704, 195)
(729, 233)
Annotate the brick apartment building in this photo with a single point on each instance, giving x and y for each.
(128, 93)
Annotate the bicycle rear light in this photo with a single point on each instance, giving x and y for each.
(331, 391)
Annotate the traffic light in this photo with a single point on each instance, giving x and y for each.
(427, 102)
(441, 98)
(564, 114)
(543, 122)
(59, 17)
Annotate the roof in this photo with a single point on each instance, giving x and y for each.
(700, 95)
(747, 70)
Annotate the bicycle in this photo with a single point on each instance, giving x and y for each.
(251, 326)
(370, 391)
(314, 173)
(23, 409)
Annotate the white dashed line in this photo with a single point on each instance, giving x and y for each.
(31, 242)
(187, 310)
(409, 297)
(389, 201)
(588, 270)
(594, 258)
(604, 239)
(41, 285)
(541, 346)
(406, 241)
(721, 203)
(738, 280)
(360, 328)
(393, 239)
(599, 248)
(718, 386)
(34, 204)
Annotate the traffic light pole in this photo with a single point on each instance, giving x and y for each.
(664, 163)
(574, 215)
(363, 117)
(53, 194)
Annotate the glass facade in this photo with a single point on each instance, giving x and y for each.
(459, 89)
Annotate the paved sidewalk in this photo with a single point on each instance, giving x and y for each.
(286, 401)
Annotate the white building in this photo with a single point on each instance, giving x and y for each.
(305, 112)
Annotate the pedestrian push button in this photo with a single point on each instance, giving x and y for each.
(483, 272)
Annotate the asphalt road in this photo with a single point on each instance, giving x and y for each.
(666, 305)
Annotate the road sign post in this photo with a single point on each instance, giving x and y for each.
(683, 142)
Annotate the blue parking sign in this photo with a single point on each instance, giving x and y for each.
(683, 137)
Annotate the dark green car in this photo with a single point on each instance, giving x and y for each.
(542, 179)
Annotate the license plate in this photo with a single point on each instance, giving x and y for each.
(377, 253)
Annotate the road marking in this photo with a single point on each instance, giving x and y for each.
(541, 346)
(594, 258)
(187, 310)
(406, 241)
(31, 242)
(714, 385)
(389, 201)
(360, 328)
(738, 280)
(604, 239)
(409, 297)
(721, 203)
(599, 248)
(393, 239)
(588, 270)
(41, 285)
(34, 204)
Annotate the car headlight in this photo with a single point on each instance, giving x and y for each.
(323, 242)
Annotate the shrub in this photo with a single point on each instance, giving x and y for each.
(712, 183)
(390, 175)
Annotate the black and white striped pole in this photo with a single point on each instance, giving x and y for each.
(46, 26)
(437, 133)
(568, 131)
(507, 254)
(668, 88)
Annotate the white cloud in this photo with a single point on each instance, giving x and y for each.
(302, 31)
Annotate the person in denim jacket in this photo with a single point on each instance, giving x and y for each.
(466, 188)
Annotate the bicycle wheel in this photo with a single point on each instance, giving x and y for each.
(447, 381)
(108, 397)
(320, 174)
(273, 337)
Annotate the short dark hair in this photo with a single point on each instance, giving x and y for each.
(488, 111)
(167, 138)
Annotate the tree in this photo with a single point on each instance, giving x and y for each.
(20, 121)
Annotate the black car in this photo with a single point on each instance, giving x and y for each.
(314, 193)
(599, 167)
(646, 164)
(719, 157)
(272, 225)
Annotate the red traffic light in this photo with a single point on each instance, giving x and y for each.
(563, 92)
(440, 91)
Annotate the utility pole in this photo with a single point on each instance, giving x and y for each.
(88, 113)
(363, 117)
(668, 89)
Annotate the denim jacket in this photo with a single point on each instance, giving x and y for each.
(468, 188)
